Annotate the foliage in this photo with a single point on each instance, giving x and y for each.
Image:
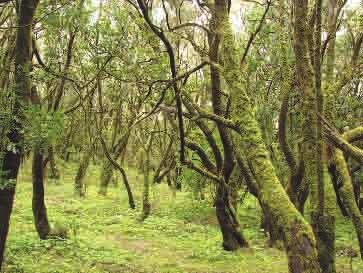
(41, 128)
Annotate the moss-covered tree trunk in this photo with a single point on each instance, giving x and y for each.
(11, 160)
(233, 238)
(297, 234)
(345, 191)
(297, 187)
(347, 194)
(322, 197)
(334, 178)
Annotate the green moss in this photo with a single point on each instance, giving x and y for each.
(298, 237)
(104, 235)
(347, 193)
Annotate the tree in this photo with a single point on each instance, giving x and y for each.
(22, 88)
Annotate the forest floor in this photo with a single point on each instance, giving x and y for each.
(181, 235)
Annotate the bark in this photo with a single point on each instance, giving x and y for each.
(113, 162)
(334, 178)
(340, 142)
(232, 237)
(38, 204)
(158, 176)
(146, 206)
(347, 193)
(166, 172)
(128, 188)
(112, 156)
(10, 165)
(173, 71)
(275, 238)
(322, 198)
(298, 237)
(106, 175)
(79, 186)
(11, 160)
(353, 135)
(235, 183)
(68, 60)
(297, 187)
(53, 171)
(192, 108)
(67, 142)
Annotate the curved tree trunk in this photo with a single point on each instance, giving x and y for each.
(297, 234)
(124, 176)
(233, 238)
(128, 189)
(334, 178)
(110, 162)
(308, 69)
(297, 187)
(347, 194)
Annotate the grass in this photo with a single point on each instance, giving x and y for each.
(181, 235)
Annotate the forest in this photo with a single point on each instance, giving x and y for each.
(197, 136)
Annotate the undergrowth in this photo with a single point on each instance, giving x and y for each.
(181, 235)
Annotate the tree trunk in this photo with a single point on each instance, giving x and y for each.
(11, 160)
(114, 164)
(67, 142)
(111, 161)
(275, 235)
(232, 236)
(106, 174)
(158, 175)
(347, 194)
(10, 167)
(297, 234)
(79, 186)
(128, 189)
(356, 189)
(38, 205)
(322, 199)
(53, 172)
(334, 178)
(146, 189)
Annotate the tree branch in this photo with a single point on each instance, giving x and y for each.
(255, 33)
